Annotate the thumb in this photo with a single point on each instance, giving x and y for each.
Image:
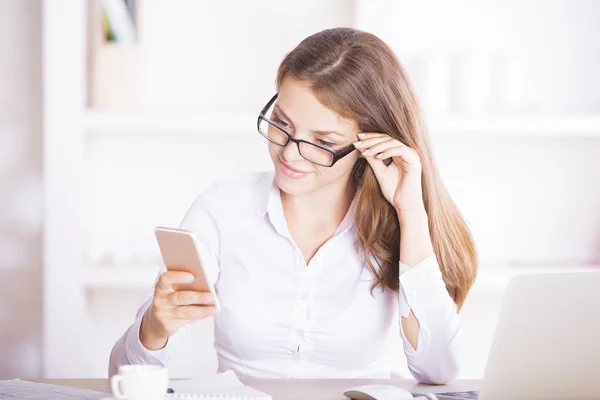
(377, 165)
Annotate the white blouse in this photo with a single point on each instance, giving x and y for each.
(282, 318)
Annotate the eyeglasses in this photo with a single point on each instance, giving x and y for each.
(277, 134)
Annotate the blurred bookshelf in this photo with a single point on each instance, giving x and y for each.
(113, 54)
(114, 90)
(92, 85)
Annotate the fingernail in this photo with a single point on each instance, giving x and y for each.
(358, 143)
(361, 135)
(188, 278)
(366, 152)
(380, 155)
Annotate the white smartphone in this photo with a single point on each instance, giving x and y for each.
(180, 252)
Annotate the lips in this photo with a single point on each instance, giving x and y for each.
(291, 172)
(294, 169)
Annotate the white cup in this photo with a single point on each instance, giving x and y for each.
(140, 382)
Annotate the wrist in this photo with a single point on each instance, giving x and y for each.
(415, 215)
(148, 337)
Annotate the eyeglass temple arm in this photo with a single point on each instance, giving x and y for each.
(264, 110)
(269, 104)
(343, 152)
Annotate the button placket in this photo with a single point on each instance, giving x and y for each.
(301, 315)
(306, 284)
(299, 258)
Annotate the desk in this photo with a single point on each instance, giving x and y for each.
(290, 389)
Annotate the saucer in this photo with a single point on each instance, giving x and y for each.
(114, 398)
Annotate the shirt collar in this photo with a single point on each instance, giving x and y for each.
(269, 196)
(348, 221)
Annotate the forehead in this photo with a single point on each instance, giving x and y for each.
(307, 113)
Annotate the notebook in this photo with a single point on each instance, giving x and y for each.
(225, 386)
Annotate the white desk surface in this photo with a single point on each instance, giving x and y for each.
(292, 389)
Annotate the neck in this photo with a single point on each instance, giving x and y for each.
(328, 205)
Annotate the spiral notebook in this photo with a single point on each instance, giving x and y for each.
(225, 386)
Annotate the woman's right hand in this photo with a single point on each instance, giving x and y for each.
(172, 309)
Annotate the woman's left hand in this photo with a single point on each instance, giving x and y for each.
(400, 181)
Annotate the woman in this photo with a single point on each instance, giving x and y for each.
(350, 243)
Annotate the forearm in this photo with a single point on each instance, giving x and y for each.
(438, 357)
(434, 347)
(415, 240)
(130, 350)
(428, 313)
(415, 246)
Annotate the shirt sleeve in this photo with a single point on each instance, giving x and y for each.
(436, 360)
(200, 219)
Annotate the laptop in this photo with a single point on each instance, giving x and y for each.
(547, 341)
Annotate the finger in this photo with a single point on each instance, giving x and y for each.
(368, 135)
(190, 297)
(408, 154)
(366, 143)
(168, 279)
(377, 166)
(410, 158)
(396, 151)
(194, 312)
(382, 146)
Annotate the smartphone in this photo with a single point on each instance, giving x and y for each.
(180, 252)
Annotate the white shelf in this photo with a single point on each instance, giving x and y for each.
(529, 126)
(137, 277)
(584, 126)
(496, 279)
(120, 277)
(168, 122)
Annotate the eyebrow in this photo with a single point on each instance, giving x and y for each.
(324, 133)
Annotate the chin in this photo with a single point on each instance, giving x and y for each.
(294, 187)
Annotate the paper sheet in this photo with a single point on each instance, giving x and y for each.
(22, 390)
(221, 386)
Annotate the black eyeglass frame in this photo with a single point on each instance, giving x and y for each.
(336, 154)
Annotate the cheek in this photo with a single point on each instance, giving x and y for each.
(274, 149)
(340, 170)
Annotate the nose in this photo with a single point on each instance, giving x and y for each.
(291, 153)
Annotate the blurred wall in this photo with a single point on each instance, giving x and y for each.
(20, 188)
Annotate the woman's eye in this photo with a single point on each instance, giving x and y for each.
(280, 121)
(325, 143)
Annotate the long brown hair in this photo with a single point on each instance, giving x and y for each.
(356, 74)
